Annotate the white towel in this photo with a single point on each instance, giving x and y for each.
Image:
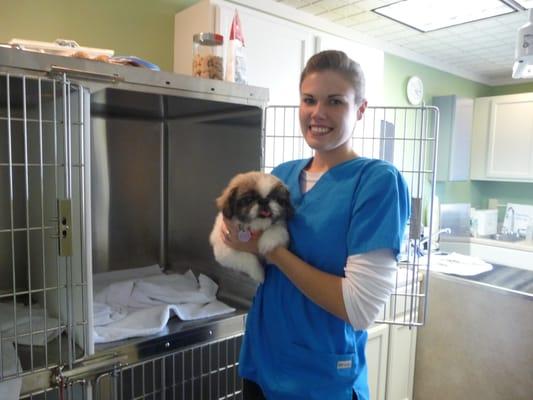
(457, 264)
(104, 279)
(151, 301)
(10, 366)
(18, 316)
(105, 314)
(25, 324)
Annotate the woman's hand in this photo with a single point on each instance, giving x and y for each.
(232, 238)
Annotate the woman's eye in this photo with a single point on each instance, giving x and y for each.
(336, 101)
(308, 101)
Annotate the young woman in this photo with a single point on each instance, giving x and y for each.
(306, 331)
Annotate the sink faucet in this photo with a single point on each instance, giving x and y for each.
(510, 213)
(434, 235)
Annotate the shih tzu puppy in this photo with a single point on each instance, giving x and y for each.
(255, 202)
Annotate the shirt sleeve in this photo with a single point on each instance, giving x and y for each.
(368, 282)
(381, 207)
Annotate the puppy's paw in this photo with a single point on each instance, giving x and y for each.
(272, 238)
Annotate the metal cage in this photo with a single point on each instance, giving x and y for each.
(43, 271)
(406, 137)
(206, 371)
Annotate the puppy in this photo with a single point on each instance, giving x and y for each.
(255, 202)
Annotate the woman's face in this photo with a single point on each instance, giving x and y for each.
(328, 112)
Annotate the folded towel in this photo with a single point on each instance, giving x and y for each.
(144, 306)
(457, 264)
(9, 367)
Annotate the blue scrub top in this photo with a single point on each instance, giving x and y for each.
(293, 348)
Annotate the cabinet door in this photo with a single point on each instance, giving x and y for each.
(276, 52)
(401, 362)
(510, 138)
(502, 141)
(376, 357)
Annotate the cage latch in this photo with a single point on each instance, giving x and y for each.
(87, 369)
(64, 227)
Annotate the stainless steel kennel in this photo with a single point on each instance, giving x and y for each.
(107, 168)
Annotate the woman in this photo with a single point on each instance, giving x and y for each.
(305, 332)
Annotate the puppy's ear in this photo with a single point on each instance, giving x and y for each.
(284, 199)
(226, 202)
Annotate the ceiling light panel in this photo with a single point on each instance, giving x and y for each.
(525, 3)
(430, 15)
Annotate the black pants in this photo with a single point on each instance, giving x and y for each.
(252, 391)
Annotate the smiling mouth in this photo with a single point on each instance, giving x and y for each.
(319, 130)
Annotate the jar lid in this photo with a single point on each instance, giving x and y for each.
(208, 38)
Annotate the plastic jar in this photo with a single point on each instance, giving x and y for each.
(207, 61)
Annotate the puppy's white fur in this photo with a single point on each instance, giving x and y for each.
(274, 229)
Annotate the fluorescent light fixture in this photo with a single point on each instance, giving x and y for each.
(523, 65)
(525, 3)
(430, 15)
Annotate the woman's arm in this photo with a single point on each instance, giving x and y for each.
(356, 298)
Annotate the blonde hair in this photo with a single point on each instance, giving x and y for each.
(337, 61)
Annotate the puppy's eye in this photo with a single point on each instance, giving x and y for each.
(247, 200)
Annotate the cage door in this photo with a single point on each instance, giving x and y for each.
(43, 292)
(405, 137)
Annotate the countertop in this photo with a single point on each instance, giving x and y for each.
(512, 254)
(512, 261)
(509, 278)
(522, 245)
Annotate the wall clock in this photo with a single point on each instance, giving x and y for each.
(415, 90)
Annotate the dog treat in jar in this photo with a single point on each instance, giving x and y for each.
(207, 56)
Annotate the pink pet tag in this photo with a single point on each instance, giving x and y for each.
(244, 236)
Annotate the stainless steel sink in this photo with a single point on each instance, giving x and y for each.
(505, 237)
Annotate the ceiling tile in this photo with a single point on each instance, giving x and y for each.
(483, 47)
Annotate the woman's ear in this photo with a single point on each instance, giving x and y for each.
(361, 109)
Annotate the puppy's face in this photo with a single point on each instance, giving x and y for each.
(255, 197)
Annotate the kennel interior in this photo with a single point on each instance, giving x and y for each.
(105, 169)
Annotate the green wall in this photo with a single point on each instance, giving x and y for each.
(143, 28)
(439, 83)
(436, 82)
(511, 89)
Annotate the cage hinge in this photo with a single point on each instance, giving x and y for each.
(415, 223)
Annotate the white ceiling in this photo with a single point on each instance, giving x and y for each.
(484, 48)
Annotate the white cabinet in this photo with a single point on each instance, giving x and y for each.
(390, 355)
(455, 131)
(502, 141)
(370, 59)
(276, 49)
(401, 362)
(376, 357)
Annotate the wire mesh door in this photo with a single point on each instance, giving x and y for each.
(206, 371)
(404, 136)
(42, 245)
